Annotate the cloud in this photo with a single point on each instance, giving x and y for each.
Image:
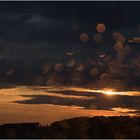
(97, 101)
(38, 20)
(44, 31)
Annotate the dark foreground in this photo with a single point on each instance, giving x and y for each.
(84, 127)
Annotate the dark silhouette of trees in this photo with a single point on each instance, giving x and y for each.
(83, 127)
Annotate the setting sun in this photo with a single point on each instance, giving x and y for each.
(110, 92)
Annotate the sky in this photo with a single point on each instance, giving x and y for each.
(47, 26)
(79, 52)
(40, 32)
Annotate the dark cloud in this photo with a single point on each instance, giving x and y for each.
(97, 101)
(44, 31)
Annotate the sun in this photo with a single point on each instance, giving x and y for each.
(110, 92)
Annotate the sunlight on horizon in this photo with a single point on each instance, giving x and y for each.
(48, 113)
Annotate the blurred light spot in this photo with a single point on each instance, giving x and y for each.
(118, 46)
(46, 68)
(90, 62)
(93, 72)
(113, 63)
(10, 71)
(104, 76)
(97, 38)
(58, 67)
(76, 77)
(52, 79)
(118, 37)
(84, 37)
(136, 39)
(102, 55)
(80, 67)
(71, 63)
(127, 50)
(100, 63)
(39, 80)
(106, 58)
(70, 53)
(101, 27)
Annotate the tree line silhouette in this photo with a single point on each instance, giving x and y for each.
(83, 127)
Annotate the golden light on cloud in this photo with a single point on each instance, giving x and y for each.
(135, 40)
(123, 110)
(106, 91)
(110, 92)
(35, 112)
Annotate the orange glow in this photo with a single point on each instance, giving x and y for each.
(123, 110)
(110, 92)
(100, 27)
(104, 90)
(39, 112)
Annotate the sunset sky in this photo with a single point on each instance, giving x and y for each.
(80, 52)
